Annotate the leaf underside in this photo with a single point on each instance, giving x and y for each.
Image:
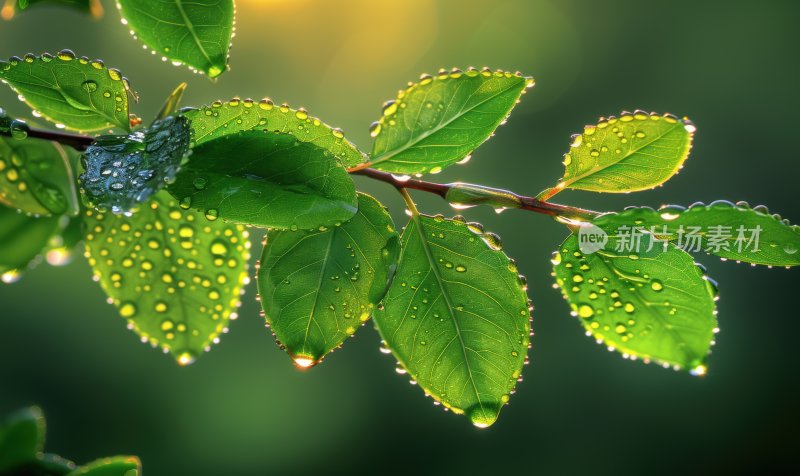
(196, 33)
(633, 152)
(317, 287)
(456, 317)
(81, 94)
(267, 179)
(114, 466)
(654, 305)
(21, 438)
(175, 276)
(224, 118)
(725, 229)
(36, 178)
(440, 120)
(22, 238)
(122, 172)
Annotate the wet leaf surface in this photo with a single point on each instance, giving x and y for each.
(173, 275)
(266, 179)
(76, 93)
(196, 33)
(124, 171)
(457, 317)
(318, 287)
(441, 119)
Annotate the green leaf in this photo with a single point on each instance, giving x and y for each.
(115, 466)
(123, 171)
(456, 316)
(172, 103)
(197, 33)
(21, 438)
(267, 179)
(48, 465)
(731, 231)
(440, 120)
(174, 276)
(652, 303)
(633, 152)
(22, 239)
(317, 287)
(75, 92)
(93, 7)
(221, 119)
(36, 177)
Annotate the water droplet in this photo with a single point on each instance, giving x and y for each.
(186, 358)
(218, 247)
(115, 74)
(389, 108)
(585, 311)
(186, 231)
(212, 214)
(375, 129)
(127, 309)
(303, 361)
(19, 129)
(656, 285)
(699, 370)
(11, 276)
(89, 86)
(66, 55)
(199, 183)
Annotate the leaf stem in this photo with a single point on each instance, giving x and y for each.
(537, 205)
(412, 207)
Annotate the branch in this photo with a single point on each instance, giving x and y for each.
(479, 195)
(460, 194)
(76, 141)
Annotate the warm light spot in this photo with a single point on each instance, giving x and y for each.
(8, 10)
(186, 359)
(699, 371)
(304, 362)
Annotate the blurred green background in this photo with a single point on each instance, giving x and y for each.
(243, 409)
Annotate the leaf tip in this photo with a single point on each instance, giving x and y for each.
(215, 70)
(483, 416)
